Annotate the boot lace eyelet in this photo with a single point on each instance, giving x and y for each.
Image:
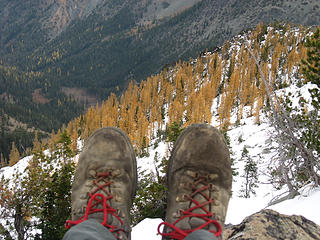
(99, 201)
(199, 187)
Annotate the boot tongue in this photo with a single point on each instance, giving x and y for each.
(102, 185)
(200, 198)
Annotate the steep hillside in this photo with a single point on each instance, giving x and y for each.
(24, 109)
(228, 75)
(75, 53)
(224, 88)
(110, 48)
(102, 44)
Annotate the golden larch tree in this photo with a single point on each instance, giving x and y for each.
(14, 155)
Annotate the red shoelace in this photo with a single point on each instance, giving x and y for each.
(207, 216)
(99, 199)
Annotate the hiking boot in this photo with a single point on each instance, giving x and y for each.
(199, 183)
(105, 182)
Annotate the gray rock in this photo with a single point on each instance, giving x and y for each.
(269, 224)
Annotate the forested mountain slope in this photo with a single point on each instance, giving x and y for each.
(185, 93)
(227, 88)
(57, 57)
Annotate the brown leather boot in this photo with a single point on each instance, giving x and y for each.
(199, 183)
(105, 182)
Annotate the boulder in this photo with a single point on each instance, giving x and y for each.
(269, 224)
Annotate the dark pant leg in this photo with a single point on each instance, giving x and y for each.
(201, 235)
(89, 230)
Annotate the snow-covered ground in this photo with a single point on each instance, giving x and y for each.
(260, 148)
(256, 139)
(306, 205)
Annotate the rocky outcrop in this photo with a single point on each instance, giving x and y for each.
(58, 14)
(269, 225)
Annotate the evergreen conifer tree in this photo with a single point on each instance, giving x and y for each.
(250, 175)
(3, 161)
(14, 155)
(311, 71)
(44, 191)
(36, 143)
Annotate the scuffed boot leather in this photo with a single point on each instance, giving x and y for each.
(199, 183)
(106, 172)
